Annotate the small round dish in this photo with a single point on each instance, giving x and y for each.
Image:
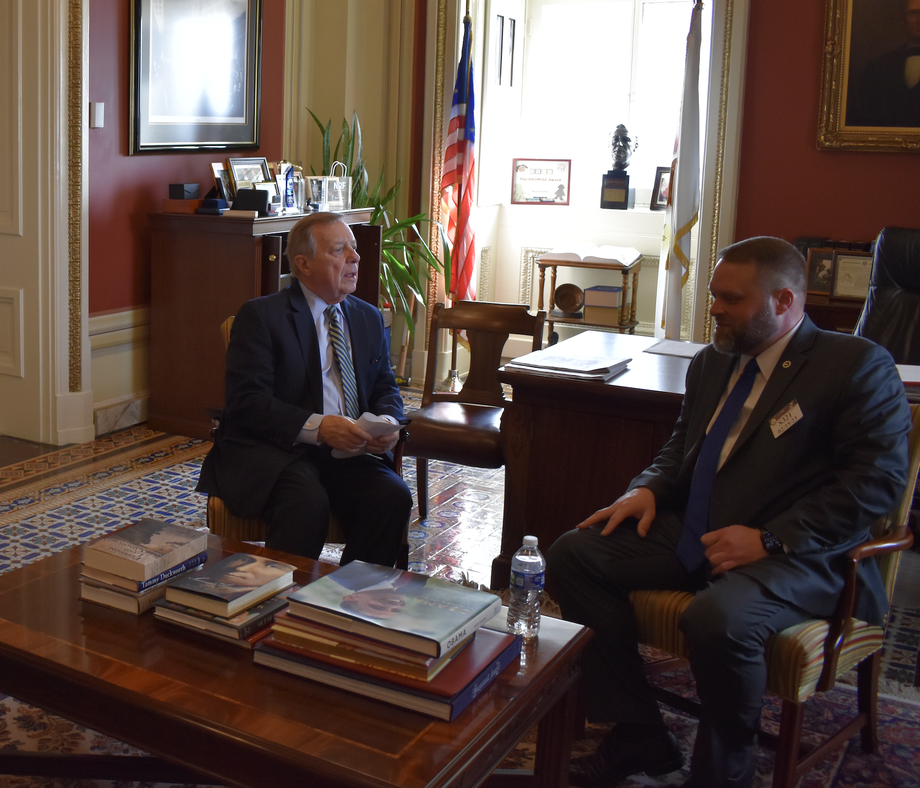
(569, 298)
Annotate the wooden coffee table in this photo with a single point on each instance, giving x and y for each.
(208, 714)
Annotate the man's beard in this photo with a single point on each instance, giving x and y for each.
(745, 339)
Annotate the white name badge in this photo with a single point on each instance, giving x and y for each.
(783, 420)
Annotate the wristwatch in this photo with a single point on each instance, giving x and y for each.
(771, 543)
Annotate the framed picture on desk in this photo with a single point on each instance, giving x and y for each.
(851, 275)
(195, 75)
(820, 271)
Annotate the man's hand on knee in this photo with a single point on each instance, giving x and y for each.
(733, 546)
(638, 503)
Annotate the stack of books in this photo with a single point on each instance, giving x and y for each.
(234, 599)
(403, 638)
(128, 570)
(552, 362)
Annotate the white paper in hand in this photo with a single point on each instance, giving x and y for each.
(373, 425)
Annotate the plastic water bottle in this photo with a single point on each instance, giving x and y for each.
(527, 570)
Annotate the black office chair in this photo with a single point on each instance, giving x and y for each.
(891, 316)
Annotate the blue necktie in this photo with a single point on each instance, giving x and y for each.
(690, 550)
(343, 359)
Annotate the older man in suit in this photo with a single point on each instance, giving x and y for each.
(790, 443)
(302, 365)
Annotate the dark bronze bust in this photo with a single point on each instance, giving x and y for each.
(622, 147)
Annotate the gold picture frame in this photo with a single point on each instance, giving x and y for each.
(860, 37)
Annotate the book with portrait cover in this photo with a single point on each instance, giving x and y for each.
(101, 576)
(232, 584)
(406, 609)
(463, 679)
(145, 549)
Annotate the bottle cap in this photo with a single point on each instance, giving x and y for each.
(530, 541)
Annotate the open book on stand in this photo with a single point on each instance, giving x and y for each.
(592, 253)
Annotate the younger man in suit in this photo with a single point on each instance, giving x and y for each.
(302, 365)
(773, 471)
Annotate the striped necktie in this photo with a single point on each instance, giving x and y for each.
(343, 359)
(690, 550)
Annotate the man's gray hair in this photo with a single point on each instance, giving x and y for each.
(300, 239)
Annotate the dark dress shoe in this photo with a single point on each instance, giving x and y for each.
(615, 759)
(743, 780)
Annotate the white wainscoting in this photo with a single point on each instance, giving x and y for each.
(119, 348)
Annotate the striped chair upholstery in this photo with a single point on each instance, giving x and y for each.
(222, 522)
(810, 656)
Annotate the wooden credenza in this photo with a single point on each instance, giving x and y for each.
(203, 268)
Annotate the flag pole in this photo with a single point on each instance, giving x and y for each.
(453, 377)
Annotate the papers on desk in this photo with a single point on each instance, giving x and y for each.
(552, 363)
(910, 374)
(673, 347)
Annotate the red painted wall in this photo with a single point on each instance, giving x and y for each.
(787, 186)
(123, 189)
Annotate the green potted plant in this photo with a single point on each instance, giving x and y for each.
(407, 261)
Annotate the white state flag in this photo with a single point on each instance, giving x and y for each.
(683, 205)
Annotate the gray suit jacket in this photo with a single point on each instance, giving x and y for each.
(820, 485)
(274, 382)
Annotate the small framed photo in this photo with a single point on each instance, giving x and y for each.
(540, 181)
(222, 181)
(851, 274)
(661, 191)
(821, 271)
(246, 172)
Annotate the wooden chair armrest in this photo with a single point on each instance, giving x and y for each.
(900, 539)
(398, 450)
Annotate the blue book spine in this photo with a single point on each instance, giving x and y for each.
(173, 571)
(475, 688)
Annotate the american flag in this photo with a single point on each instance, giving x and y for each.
(458, 177)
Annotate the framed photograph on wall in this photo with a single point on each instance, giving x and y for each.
(195, 75)
(246, 172)
(661, 190)
(821, 271)
(868, 94)
(851, 275)
(540, 181)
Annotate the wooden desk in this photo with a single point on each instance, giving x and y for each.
(571, 447)
(204, 707)
(628, 320)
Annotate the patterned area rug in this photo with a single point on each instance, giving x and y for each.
(69, 496)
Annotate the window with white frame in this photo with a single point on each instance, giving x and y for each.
(587, 66)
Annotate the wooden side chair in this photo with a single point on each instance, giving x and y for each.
(464, 427)
(808, 657)
(223, 522)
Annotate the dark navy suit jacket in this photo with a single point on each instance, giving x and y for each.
(273, 384)
(821, 484)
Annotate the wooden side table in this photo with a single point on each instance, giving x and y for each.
(628, 320)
